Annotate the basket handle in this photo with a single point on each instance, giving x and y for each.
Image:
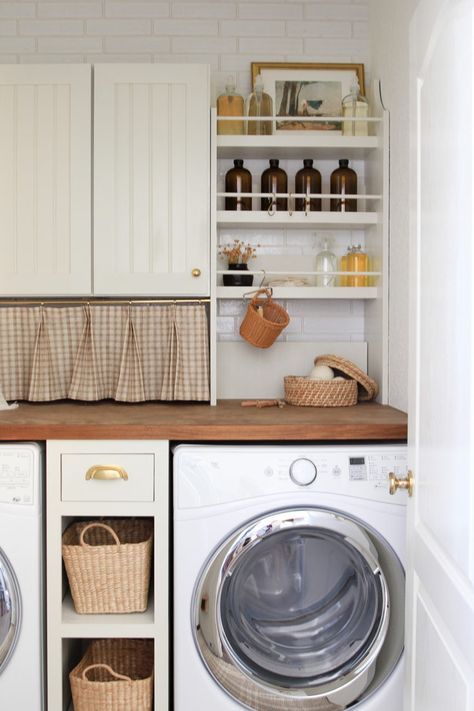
(109, 669)
(260, 292)
(100, 525)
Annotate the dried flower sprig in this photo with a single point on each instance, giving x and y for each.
(238, 252)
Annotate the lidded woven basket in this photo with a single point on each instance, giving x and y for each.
(108, 564)
(264, 320)
(356, 386)
(114, 675)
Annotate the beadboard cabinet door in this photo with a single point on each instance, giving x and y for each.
(45, 180)
(151, 180)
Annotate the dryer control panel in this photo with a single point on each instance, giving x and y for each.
(211, 475)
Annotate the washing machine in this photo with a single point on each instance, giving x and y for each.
(21, 577)
(288, 578)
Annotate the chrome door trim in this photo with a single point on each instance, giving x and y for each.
(10, 603)
(223, 561)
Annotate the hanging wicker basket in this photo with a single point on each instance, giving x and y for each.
(114, 675)
(108, 564)
(264, 320)
(355, 386)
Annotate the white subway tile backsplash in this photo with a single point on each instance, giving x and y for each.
(7, 27)
(271, 11)
(45, 58)
(66, 45)
(17, 45)
(51, 28)
(137, 44)
(336, 46)
(248, 28)
(335, 11)
(137, 9)
(239, 62)
(225, 324)
(67, 9)
(124, 28)
(311, 308)
(193, 28)
(16, 10)
(319, 29)
(360, 30)
(214, 10)
(118, 58)
(231, 307)
(286, 45)
(199, 45)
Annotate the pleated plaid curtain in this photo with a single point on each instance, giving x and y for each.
(129, 353)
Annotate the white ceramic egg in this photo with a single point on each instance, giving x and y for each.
(321, 372)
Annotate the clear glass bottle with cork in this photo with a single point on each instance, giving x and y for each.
(230, 104)
(355, 105)
(259, 104)
(326, 263)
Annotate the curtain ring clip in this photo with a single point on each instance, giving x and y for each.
(272, 205)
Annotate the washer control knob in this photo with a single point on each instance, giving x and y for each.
(303, 472)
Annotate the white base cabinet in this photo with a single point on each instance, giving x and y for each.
(138, 467)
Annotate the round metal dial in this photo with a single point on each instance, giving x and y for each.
(303, 471)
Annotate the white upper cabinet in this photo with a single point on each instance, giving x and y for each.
(151, 180)
(45, 173)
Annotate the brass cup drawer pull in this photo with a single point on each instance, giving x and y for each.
(396, 483)
(106, 472)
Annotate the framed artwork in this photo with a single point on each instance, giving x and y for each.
(302, 90)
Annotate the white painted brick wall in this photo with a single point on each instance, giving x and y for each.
(229, 35)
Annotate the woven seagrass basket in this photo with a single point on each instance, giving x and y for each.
(108, 564)
(114, 675)
(264, 320)
(355, 386)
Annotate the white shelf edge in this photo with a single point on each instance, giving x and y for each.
(133, 624)
(256, 218)
(284, 139)
(303, 292)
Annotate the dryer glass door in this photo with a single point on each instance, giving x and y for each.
(301, 607)
(10, 609)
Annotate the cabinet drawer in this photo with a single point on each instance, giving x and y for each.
(108, 477)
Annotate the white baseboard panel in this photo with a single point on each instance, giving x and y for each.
(246, 372)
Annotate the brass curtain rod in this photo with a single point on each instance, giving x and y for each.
(99, 302)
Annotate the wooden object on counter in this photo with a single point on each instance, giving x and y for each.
(200, 422)
(262, 403)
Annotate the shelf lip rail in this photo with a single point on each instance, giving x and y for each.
(336, 196)
(311, 119)
(295, 271)
(84, 301)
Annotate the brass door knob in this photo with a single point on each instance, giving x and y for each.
(396, 483)
(196, 272)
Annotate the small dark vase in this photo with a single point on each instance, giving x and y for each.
(238, 279)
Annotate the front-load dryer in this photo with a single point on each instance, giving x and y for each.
(288, 578)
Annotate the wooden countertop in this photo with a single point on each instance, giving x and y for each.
(197, 422)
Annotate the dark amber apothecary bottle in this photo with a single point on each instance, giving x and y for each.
(274, 180)
(238, 180)
(343, 182)
(308, 180)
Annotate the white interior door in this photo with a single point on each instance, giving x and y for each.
(440, 575)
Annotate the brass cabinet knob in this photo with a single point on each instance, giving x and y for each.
(396, 483)
(106, 471)
(196, 272)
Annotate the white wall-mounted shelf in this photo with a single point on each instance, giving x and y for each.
(258, 219)
(301, 145)
(303, 292)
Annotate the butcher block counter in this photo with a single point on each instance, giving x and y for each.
(200, 422)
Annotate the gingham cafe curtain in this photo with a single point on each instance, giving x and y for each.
(130, 353)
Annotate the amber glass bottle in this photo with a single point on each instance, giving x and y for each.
(230, 104)
(238, 180)
(274, 180)
(343, 182)
(308, 180)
